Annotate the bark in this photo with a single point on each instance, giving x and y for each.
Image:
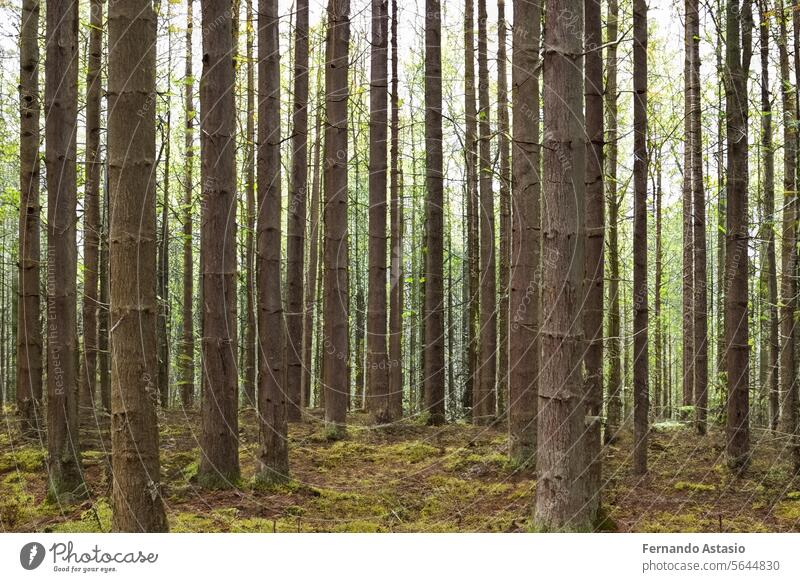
(136, 499)
(377, 356)
(219, 441)
(471, 159)
(504, 154)
(61, 114)
(273, 453)
(737, 60)
(335, 336)
(186, 357)
(659, 401)
(559, 492)
(688, 209)
(103, 315)
(433, 361)
(484, 394)
(615, 388)
(29, 330)
(595, 246)
(524, 348)
(396, 274)
(641, 403)
(163, 247)
(296, 222)
(700, 310)
(768, 231)
(91, 205)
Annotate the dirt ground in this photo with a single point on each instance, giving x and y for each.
(410, 478)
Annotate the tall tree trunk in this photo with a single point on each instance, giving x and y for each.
(720, 214)
(312, 280)
(91, 204)
(788, 300)
(614, 402)
(219, 444)
(484, 396)
(737, 60)
(29, 330)
(700, 309)
(335, 336)
(296, 222)
(103, 315)
(560, 502)
(641, 403)
(273, 453)
(768, 230)
(471, 159)
(377, 357)
(504, 154)
(136, 498)
(524, 348)
(659, 404)
(433, 370)
(395, 409)
(594, 271)
(688, 210)
(61, 118)
(186, 358)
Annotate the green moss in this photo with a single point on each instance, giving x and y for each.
(688, 486)
(95, 519)
(28, 459)
(186, 522)
(410, 452)
(788, 510)
(793, 495)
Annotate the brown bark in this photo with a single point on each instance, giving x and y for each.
(104, 308)
(484, 395)
(136, 498)
(29, 330)
(396, 274)
(433, 361)
(659, 401)
(296, 222)
(771, 344)
(377, 356)
(615, 384)
(219, 441)
(641, 398)
(504, 154)
(559, 492)
(91, 205)
(688, 210)
(273, 454)
(595, 246)
(524, 348)
(61, 114)
(336, 350)
(186, 357)
(737, 60)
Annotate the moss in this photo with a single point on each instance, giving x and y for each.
(463, 459)
(358, 526)
(793, 495)
(410, 452)
(697, 487)
(186, 522)
(28, 459)
(788, 510)
(95, 519)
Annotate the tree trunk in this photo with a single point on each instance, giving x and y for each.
(186, 358)
(659, 402)
(560, 502)
(296, 222)
(471, 159)
(29, 330)
(335, 336)
(163, 244)
(433, 373)
(504, 154)
(615, 388)
(61, 118)
(695, 138)
(103, 316)
(91, 204)
(136, 499)
(768, 230)
(688, 209)
(524, 348)
(737, 60)
(396, 275)
(219, 444)
(641, 399)
(273, 453)
(595, 246)
(377, 357)
(484, 396)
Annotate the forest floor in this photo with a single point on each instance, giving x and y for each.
(411, 478)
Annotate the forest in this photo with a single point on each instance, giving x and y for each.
(381, 266)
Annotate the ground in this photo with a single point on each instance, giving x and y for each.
(412, 478)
